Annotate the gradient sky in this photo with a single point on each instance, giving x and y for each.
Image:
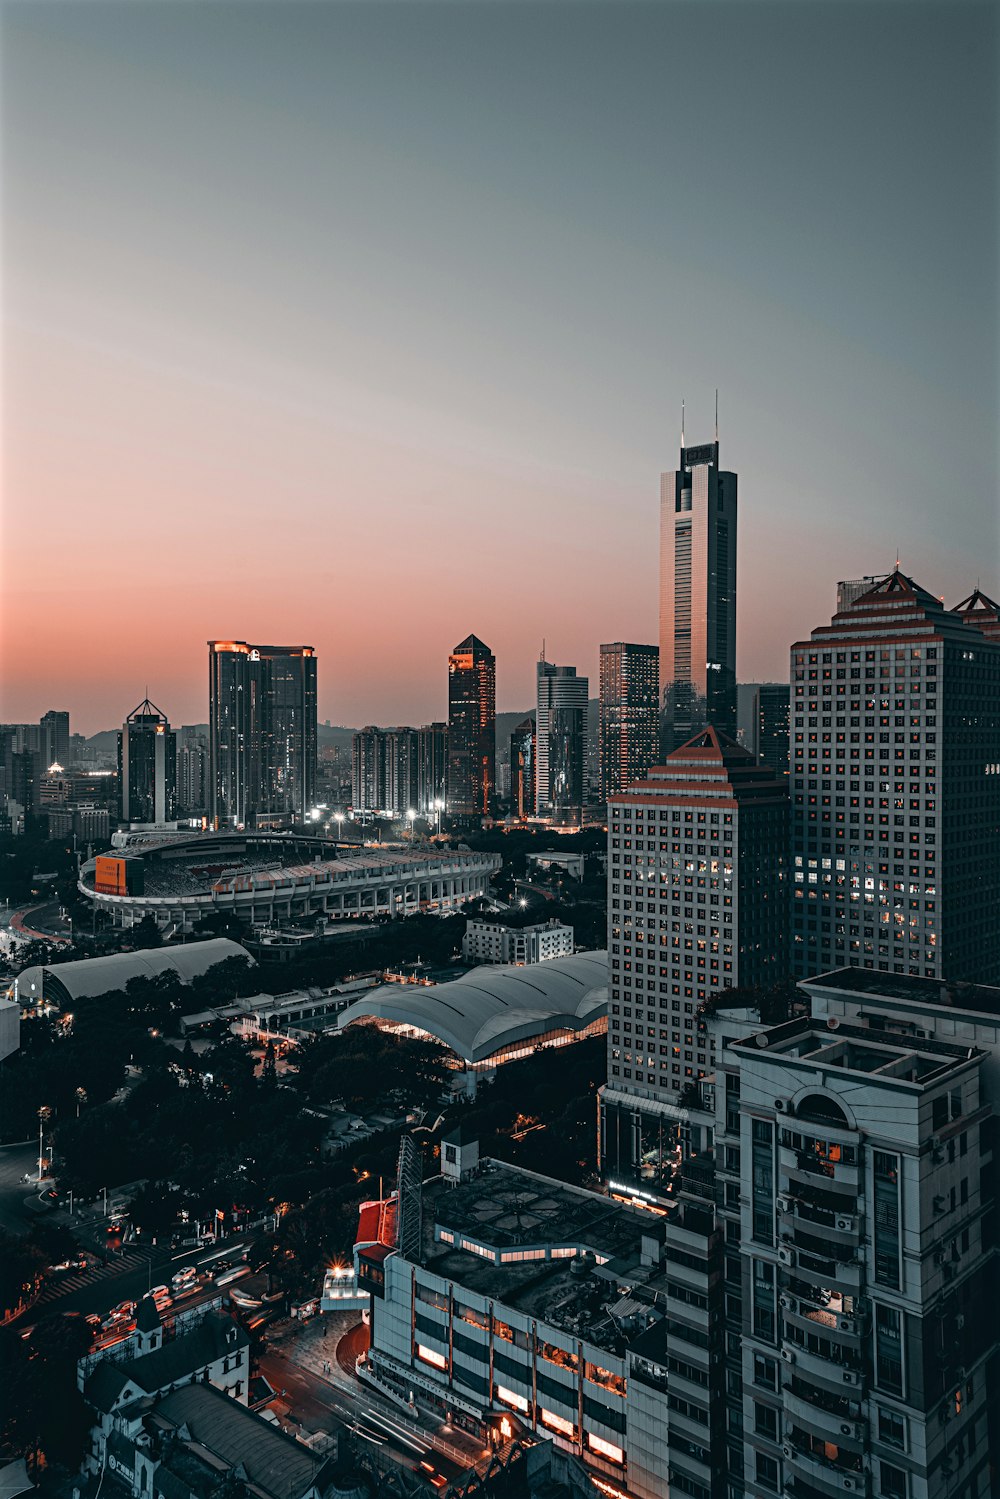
(367, 326)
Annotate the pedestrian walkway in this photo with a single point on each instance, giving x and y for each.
(131, 1259)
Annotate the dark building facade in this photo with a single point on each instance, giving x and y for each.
(698, 512)
(54, 728)
(262, 733)
(522, 770)
(895, 784)
(147, 766)
(629, 732)
(560, 742)
(432, 769)
(472, 716)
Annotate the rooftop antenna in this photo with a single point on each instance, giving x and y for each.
(682, 421)
(716, 413)
(542, 656)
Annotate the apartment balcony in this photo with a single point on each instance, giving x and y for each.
(802, 1168)
(840, 1376)
(830, 1425)
(839, 1475)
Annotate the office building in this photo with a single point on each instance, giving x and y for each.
(192, 771)
(262, 734)
(697, 905)
(472, 671)
(432, 769)
(629, 732)
(147, 767)
(698, 512)
(560, 742)
(493, 942)
(895, 796)
(763, 715)
(516, 1304)
(54, 729)
(522, 770)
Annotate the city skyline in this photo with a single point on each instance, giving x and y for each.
(214, 327)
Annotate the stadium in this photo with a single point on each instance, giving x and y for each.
(275, 879)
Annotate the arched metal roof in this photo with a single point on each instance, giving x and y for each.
(494, 1007)
(86, 976)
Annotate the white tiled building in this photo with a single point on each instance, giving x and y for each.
(493, 942)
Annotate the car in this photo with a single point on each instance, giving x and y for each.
(160, 1293)
(124, 1309)
(66, 1265)
(185, 1278)
(93, 1319)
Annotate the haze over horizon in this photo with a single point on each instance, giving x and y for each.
(368, 326)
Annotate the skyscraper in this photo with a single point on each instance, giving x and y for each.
(560, 742)
(432, 769)
(192, 768)
(262, 733)
(472, 715)
(55, 739)
(698, 509)
(697, 856)
(522, 770)
(770, 712)
(896, 790)
(147, 766)
(629, 714)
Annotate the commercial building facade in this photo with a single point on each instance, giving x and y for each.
(492, 942)
(522, 770)
(629, 721)
(697, 905)
(560, 742)
(147, 767)
(472, 671)
(432, 769)
(262, 734)
(895, 743)
(698, 514)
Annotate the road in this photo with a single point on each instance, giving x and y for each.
(127, 1279)
(15, 1161)
(314, 1399)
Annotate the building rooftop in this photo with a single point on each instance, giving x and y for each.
(853, 1049)
(976, 999)
(511, 1210)
(491, 1008)
(89, 976)
(216, 1431)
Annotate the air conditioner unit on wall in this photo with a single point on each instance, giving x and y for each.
(846, 1225)
(786, 1256)
(783, 1106)
(788, 1354)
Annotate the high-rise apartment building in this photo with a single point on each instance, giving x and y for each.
(629, 723)
(698, 510)
(697, 904)
(385, 777)
(54, 728)
(192, 770)
(432, 769)
(522, 770)
(147, 766)
(560, 742)
(262, 733)
(472, 674)
(869, 1341)
(895, 792)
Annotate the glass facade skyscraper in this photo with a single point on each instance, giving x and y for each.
(472, 677)
(147, 766)
(560, 742)
(698, 509)
(262, 733)
(629, 714)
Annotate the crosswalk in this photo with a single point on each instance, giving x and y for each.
(132, 1258)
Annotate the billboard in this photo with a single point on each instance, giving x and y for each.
(114, 875)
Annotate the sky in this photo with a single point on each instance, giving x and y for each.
(367, 326)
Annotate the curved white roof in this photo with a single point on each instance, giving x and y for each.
(87, 976)
(494, 1007)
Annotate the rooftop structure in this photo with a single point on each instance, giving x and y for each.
(495, 1013)
(66, 982)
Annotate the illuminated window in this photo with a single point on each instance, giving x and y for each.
(565, 1428)
(429, 1356)
(517, 1402)
(606, 1449)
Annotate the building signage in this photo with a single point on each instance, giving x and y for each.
(695, 457)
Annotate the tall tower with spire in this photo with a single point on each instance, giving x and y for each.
(698, 513)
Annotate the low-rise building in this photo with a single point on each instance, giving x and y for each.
(493, 942)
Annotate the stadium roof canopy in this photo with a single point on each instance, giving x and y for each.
(88, 976)
(492, 1008)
